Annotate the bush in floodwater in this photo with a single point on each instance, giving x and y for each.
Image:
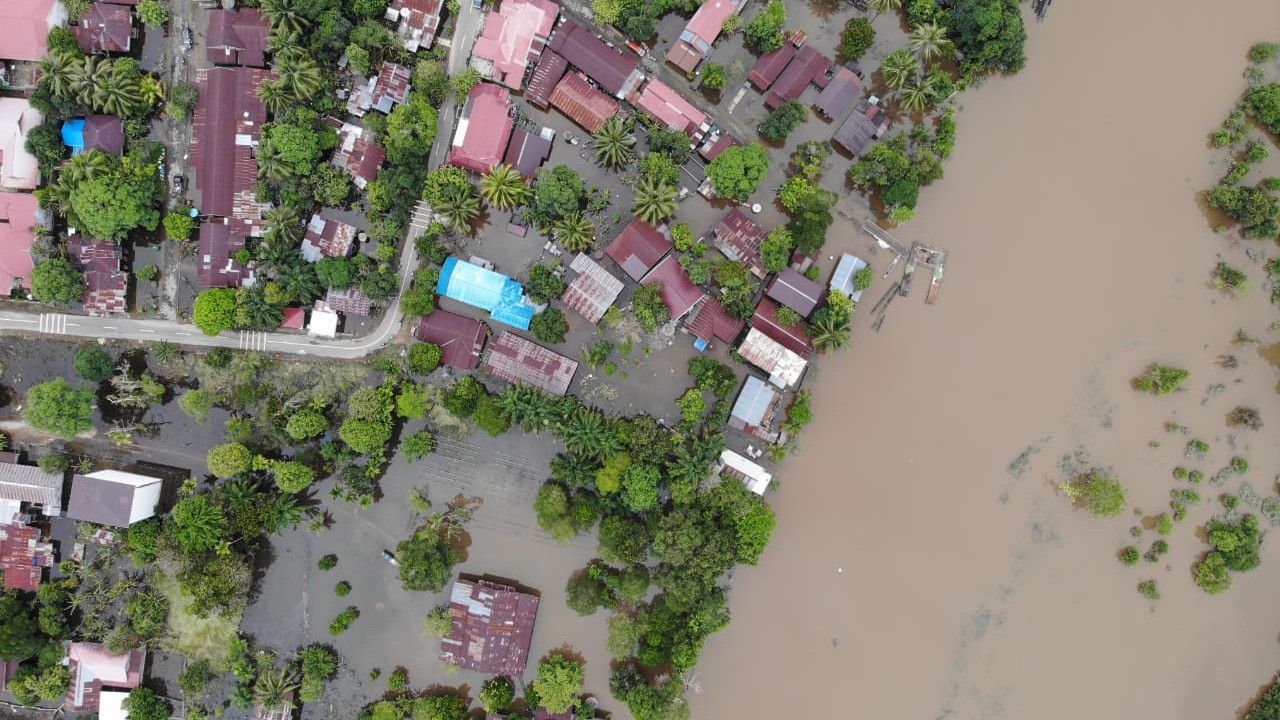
(1136, 531)
(1230, 279)
(344, 620)
(1180, 473)
(1230, 502)
(1211, 574)
(1179, 511)
(1161, 379)
(1197, 448)
(1149, 590)
(1262, 52)
(342, 589)
(1246, 417)
(1101, 495)
(1164, 524)
(1129, 555)
(1195, 476)
(328, 562)
(1239, 465)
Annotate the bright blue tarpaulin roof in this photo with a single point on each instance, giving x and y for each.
(73, 134)
(487, 290)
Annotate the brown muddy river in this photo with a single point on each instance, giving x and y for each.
(912, 575)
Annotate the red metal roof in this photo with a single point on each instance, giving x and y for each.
(808, 66)
(492, 627)
(23, 557)
(703, 28)
(513, 36)
(26, 26)
(667, 107)
(592, 290)
(614, 70)
(329, 236)
(792, 337)
(678, 291)
(484, 129)
(550, 68)
(294, 318)
(105, 28)
(237, 37)
(711, 320)
(515, 359)
(769, 66)
(526, 152)
(738, 237)
(460, 338)
(351, 301)
(584, 104)
(711, 149)
(225, 128)
(17, 233)
(638, 248)
(359, 155)
(217, 266)
(105, 285)
(836, 98)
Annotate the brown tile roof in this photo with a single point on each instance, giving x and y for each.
(23, 557)
(492, 627)
(614, 70)
(593, 289)
(237, 37)
(638, 248)
(351, 301)
(711, 320)
(795, 291)
(105, 133)
(105, 28)
(678, 291)
(808, 66)
(769, 66)
(793, 337)
(836, 97)
(460, 338)
(550, 68)
(515, 359)
(738, 237)
(584, 104)
(106, 287)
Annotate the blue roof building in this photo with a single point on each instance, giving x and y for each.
(73, 134)
(496, 293)
(95, 132)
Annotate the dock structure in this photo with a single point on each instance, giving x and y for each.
(884, 239)
(916, 255)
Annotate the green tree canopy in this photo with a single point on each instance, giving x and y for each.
(124, 196)
(989, 35)
(306, 424)
(215, 310)
(56, 281)
(94, 364)
(738, 171)
(764, 32)
(229, 459)
(198, 524)
(426, 561)
(58, 408)
(559, 682)
(19, 633)
(292, 476)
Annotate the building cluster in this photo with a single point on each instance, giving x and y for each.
(38, 530)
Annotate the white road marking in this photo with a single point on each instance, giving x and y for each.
(145, 330)
(110, 327)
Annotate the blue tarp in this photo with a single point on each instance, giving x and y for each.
(73, 135)
(500, 295)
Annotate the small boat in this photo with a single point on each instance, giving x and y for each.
(386, 555)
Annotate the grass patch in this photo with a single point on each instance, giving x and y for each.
(198, 638)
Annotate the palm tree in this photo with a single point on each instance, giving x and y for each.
(527, 406)
(274, 689)
(299, 74)
(82, 76)
(271, 163)
(275, 96)
(504, 188)
(830, 330)
(459, 205)
(283, 224)
(588, 432)
(898, 69)
(84, 166)
(884, 6)
(254, 312)
(299, 280)
(152, 90)
(285, 15)
(613, 144)
(916, 95)
(576, 233)
(60, 70)
(655, 200)
(281, 40)
(929, 40)
(114, 91)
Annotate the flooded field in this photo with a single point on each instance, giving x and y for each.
(913, 575)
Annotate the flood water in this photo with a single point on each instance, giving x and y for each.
(912, 574)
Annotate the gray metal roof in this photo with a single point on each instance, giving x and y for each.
(30, 484)
(754, 401)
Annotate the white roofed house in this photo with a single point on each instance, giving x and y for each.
(754, 410)
(114, 497)
(754, 476)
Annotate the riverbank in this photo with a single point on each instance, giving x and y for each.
(935, 583)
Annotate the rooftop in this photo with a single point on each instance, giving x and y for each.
(842, 278)
(858, 130)
(550, 68)
(839, 94)
(460, 338)
(95, 132)
(224, 130)
(29, 484)
(105, 28)
(382, 92)
(358, 154)
(23, 557)
(19, 169)
(615, 71)
(669, 108)
(17, 234)
(218, 246)
(769, 66)
(293, 318)
(716, 144)
(808, 66)
(419, 20)
(711, 320)
(795, 291)
(678, 291)
(327, 237)
(106, 286)
(793, 337)
(27, 24)
(755, 404)
(592, 291)
(94, 668)
(351, 301)
(526, 152)
(237, 37)
(514, 35)
(480, 287)
(638, 248)
(755, 477)
(517, 360)
(584, 104)
(738, 237)
(113, 497)
(695, 41)
(492, 627)
(484, 129)
(784, 367)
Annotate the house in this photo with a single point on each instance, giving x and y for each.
(638, 248)
(293, 318)
(582, 103)
(839, 94)
(526, 152)
(8, 669)
(28, 485)
(23, 556)
(665, 105)
(216, 252)
(540, 713)
(795, 291)
(792, 337)
(382, 92)
(19, 169)
(17, 235)
(499, 295)
(351, 301)
(327, 237)
(106, 286)
(711, 320)
(358, 154)
(111, 705)
(694, 43)
(592, 291)
(678, 291)
(514, 36)
(517, 360)
(484, 129)
(858, 130)
(546, 75)
(613, 70)
(114, 497)
(417, 22)
(105, 28)
(324, 321)
(769, 66)
(492, 627)
(95, 669)
(460, 339)
(738, 237)
(715, 143)
(95, 132)
(755, 477)
(842, 278)
(808, 66)
(784, 366)
(755, 408)
(237, 37)
(26, 26)
(224, 133)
